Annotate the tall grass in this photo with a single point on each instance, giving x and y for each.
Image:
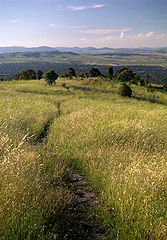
(32, 188)
(119, 143)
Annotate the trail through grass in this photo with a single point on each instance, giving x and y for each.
(118, 143)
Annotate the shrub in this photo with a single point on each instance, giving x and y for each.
(64, 75)
(95, 72)
(125, 75)
(110, 72)
(50, 76)
(27, 74)
(39, 74)
(71, 72)
(125, 90)
(165, 87)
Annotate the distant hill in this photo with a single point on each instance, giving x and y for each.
(87, 50)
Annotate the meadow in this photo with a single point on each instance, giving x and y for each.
(118, 143)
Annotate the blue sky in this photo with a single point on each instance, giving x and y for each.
(97, 23)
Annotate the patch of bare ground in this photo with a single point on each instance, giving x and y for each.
(83, 223)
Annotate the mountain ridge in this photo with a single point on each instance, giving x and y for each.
(86, 50)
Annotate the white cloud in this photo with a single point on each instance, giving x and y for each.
(142, 36)
(105, 31)
(52, 25)
(78, 27)
(13, 21)
(84, 7)
(150, 34)
(122, 35)
(82, 39)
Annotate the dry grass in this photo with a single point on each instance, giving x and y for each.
(119, 143)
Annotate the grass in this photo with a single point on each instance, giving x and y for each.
(118, 143)
(31, 181)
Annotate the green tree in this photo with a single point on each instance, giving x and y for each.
(27, 74)
(95, 72)
(125, 90)
(110, 72)
(71, 72)
(50, 76)
(136, 79)
(1, 79)
(39, 74)
(125, 75)
(146, 80)
(64, 75)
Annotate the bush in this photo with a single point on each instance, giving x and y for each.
(165, 87)
(27, 74)
(125, 90)
(39, 74)
(71, 72)
(95, 72)
(64, 75)
(50, 76)
(110, 72)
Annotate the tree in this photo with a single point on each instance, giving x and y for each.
(71, 72)
(110, 72)
(39, 74)
(50, 76)
(1, 79)
(125, 90)
(95, 72)
(136, 79)
(165, 87)
(64, 75)
(125, 75)
(27, 74)
(146, 80)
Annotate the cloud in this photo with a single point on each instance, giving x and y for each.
(140, 36)
(84, 7)
(122, 35)
(13, 21)
(150, 34)
(78, 27)
(52, 25)
(105, 31)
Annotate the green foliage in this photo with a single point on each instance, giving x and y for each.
(136, 79)
(50, 76)
(165, 87)
(1, 79)
(39, 74)
(95, 72)
(146, 80)
(64, 75)
(110, 72)
(71, 72)
(27, 74)
(124, 75)
(125, 90)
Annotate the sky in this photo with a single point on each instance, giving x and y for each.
(83, 23)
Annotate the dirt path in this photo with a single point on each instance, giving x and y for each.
(83, 222)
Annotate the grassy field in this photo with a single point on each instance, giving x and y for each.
(116, 59)
(120, 144)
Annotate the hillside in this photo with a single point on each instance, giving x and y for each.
(142, 62)
(117, 143)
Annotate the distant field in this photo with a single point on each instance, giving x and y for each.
(119, 144)
(153, 63)
(116, 59)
